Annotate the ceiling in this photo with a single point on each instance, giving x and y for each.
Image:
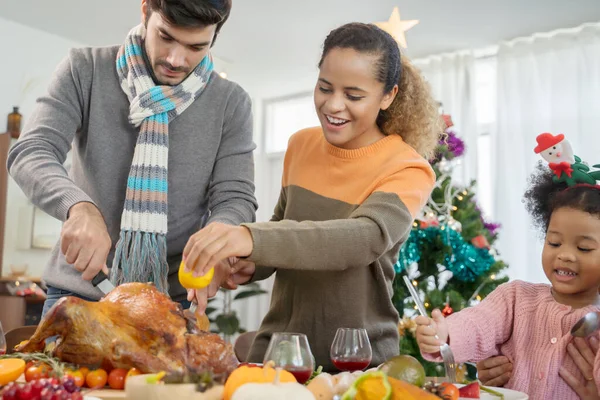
(279, 39)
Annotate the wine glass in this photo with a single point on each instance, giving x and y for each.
(2, 341)
(351, 349)
(291, 352)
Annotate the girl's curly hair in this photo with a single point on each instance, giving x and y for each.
(544, 196)
(414, 114)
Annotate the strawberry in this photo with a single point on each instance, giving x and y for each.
(471, 391)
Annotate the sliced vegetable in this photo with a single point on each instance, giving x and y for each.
(155, 378)
(372, 385)
(10, 370)
(470, 391)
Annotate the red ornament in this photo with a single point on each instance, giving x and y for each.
(480, 242)
(447, 120)
(426, 223)
(547, 140)
(447, 310)
(559, 168)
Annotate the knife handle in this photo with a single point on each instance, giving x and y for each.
(99, 278)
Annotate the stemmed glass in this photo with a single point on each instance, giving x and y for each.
(291, 352)
(2, 341)
(351, 349)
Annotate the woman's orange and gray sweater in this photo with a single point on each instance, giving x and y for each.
(341, 218)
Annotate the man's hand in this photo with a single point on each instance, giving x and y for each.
(216, 242)
(84, 240)
(494, 371)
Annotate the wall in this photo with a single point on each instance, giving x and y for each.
(29, 59)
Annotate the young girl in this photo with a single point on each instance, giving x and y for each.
(350, 191)
(531, 323)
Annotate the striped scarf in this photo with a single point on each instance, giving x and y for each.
(141, 252)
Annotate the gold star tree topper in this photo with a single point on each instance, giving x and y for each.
(396, 27)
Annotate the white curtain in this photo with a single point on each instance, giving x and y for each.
(452, 79)
(546, 83)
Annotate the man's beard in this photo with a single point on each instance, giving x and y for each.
(170, 67)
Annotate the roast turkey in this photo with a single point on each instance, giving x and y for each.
(134, 326)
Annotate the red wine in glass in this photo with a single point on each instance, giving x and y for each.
(291, 352)
(351, 349)
(356, 364)
(301, 374)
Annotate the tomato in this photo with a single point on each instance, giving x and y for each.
(32, 373)
(36, 372)
(46, 370)
(96, 378)
(448, 391)
(84, 371)
(77, 377)
(116, 378)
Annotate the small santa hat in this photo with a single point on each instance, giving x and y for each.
(547, 140)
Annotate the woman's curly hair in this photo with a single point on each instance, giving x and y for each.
(414, 114)
(544, 196)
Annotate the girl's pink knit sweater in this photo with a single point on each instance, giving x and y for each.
(523, 322)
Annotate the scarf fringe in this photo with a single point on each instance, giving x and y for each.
(141, 257)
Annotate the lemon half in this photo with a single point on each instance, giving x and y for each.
(189, 281)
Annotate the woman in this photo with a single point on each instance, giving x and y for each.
(351, 189)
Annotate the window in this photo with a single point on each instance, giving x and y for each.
(485, 98)
(284, 117)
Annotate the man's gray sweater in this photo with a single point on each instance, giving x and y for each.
(211, 168)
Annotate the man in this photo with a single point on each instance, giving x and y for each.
(162, 146)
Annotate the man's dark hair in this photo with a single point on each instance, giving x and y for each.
(192, 13)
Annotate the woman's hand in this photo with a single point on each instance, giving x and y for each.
(494, 371)
(583, 353)
(216, 242)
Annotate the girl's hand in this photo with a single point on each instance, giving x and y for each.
(583, 354)
(431, 332)
(216, 242)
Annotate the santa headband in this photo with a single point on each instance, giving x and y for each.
(567, 167)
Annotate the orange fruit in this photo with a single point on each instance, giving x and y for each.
(10, 370)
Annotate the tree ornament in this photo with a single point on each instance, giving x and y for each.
(447, 310)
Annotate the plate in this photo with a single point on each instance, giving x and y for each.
(508, 394)
(91, 398)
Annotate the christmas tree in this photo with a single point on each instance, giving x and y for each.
(449, 256)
